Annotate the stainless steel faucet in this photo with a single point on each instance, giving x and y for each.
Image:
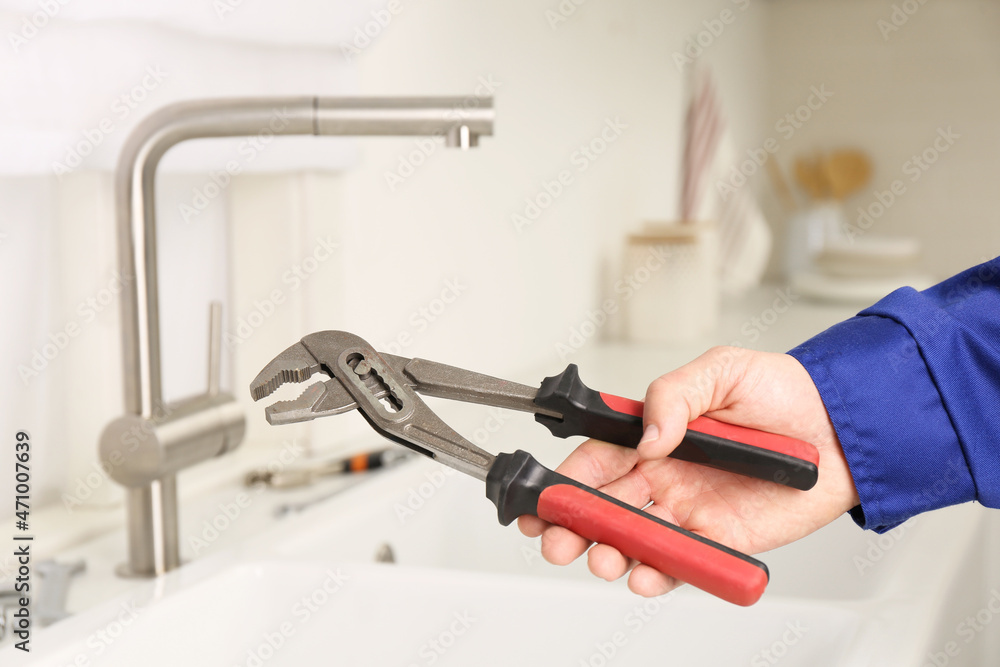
(146, 448)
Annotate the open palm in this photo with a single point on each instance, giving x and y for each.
(766, 391)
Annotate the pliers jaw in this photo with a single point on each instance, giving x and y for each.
(320, 399)
(363, 379)
(295, 364)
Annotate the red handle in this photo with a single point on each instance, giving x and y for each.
(711, 567)
(781, 444)
(737, 448)
(582, 411)
(518, 485)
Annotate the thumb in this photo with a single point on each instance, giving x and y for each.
(675, 399)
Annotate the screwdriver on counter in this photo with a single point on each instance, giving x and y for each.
(292, 478)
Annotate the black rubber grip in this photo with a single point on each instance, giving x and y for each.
(583, 411)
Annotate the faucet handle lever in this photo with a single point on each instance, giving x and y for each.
(214, 347)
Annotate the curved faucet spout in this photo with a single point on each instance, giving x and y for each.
(454, 118)
(152, 442)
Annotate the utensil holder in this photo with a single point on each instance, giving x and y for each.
(671, 283)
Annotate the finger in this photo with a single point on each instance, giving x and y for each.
(597, 463)
(607, 562)
(678, 397)
(593, 463)
(561, 546)
(531, 526)
(610, 564)
(647, 582)
(631, 488)
(602, 466)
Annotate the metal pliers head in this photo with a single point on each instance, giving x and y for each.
(316, 353)
(365, 380)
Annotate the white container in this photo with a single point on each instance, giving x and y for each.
(670, 283)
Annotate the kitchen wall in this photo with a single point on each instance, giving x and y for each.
(917, 85)
(559, 83)
(481, 258)
(417, 247)
(522, 290)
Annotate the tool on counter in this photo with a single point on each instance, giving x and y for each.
(383, 387)
(290, 478)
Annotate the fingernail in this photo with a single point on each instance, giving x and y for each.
(650, 434)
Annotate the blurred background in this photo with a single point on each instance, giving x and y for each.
(863, 132)
(408, 226)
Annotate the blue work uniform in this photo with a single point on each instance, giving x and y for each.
(912, 385)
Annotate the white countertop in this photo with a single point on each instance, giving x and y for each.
(451, 552)
(96, 535)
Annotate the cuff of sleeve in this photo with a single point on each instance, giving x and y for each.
(899, 442)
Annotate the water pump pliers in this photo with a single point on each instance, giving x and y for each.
(384, 389)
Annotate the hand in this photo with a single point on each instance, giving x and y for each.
(766, 391)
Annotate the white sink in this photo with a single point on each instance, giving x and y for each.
(904, 592)
(310, 613)
(466, 591)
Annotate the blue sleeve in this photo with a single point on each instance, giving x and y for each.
(912, 386)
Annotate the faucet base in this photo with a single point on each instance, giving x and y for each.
(151, 517)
